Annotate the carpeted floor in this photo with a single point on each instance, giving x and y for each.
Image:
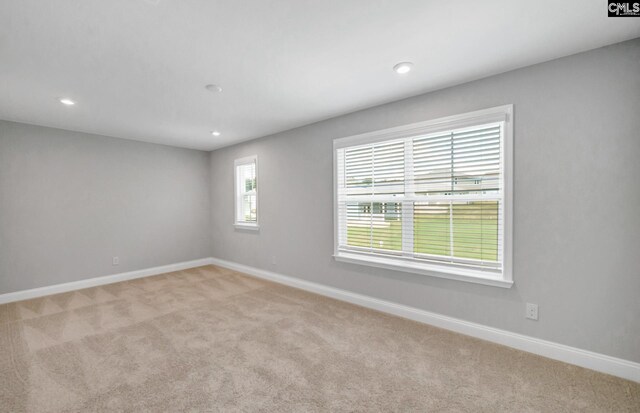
(210, 339)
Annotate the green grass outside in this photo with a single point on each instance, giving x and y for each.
(473, 237)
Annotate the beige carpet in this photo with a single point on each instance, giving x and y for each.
(210, 339)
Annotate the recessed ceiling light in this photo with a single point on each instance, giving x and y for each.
(403, 67)
(215, 133)
(67, 101)
(214, 88)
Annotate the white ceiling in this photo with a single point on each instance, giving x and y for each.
(137, 68)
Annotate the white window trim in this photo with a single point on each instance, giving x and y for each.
(496, 114)
(252, 227)
(243, 224)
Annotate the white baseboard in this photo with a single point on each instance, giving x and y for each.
(107, 279)
(599, 362)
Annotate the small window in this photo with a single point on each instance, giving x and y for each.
(432, 198)
(246, 178)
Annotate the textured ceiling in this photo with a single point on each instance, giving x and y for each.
(137, 68)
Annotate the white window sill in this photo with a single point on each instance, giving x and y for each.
(434, 270)
(251, 227)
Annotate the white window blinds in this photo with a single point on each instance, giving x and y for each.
(432, 200)
(246, 191)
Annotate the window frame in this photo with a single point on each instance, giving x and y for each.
(499, 114)
(247, 160)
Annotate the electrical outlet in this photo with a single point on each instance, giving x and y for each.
(532, 311)
(273, 260)
(116, 260)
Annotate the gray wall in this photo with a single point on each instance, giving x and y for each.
(71, 201)
(577, 203)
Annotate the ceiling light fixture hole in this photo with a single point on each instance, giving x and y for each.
(213, 88)
(403, 67)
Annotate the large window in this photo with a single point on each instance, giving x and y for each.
(246, 182)
(432, 198)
